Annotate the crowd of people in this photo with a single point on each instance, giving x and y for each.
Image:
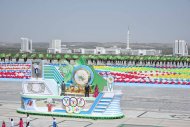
(21, 122)
(15, 70)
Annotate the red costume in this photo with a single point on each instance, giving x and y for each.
(21, 124)
(49, 107)
(3, 124)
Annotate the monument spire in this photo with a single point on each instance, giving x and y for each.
(128, 38)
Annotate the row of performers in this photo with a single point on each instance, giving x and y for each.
(19, 75)
(15, 67)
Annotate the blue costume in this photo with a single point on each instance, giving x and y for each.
(54, 123)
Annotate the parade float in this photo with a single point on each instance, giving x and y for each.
(46, 95)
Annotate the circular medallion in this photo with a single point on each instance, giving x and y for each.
(77, 109)
(81, 102)
(83, 75)
(73, 101)
(69, 109)
(65, 101)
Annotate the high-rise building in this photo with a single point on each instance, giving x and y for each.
(180, 48)
(26, 45)
(54, 46)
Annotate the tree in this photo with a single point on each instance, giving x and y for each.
(136, 59)
(114, 59)
(16, 56)
(58, 57)
(49, 57)
(183, 60)
(33, 56)
(172, 60)
(126, 58)
(74, 57)
(131, 59)
(100, 59)
(9, 56)
(177, 60)
(93, 59)
(3, 57)
(67, 57)
(188, 61)
(41, 56)
(25, 57)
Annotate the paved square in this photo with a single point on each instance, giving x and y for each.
(142, 106)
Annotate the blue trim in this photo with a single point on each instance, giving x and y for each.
(60, 110)
(94, 105)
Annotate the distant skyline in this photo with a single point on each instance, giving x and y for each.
(150, 21)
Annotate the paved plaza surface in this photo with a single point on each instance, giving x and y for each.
(142, 106)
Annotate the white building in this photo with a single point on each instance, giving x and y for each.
(180, 48)
(65, 50)
(88, 51)
(54, 46)
(116, 51)
(149, 52)
(125, 51)
(77, 51)
(26, 45)
(100, 50)
(113, 50)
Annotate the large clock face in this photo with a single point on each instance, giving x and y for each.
(81, 77)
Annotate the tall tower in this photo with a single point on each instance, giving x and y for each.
(128, 39)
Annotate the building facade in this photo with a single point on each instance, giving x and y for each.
(65, 50)
(141, 52)
(87, 51)
(113, 50)
(54, 46)
(100, 50)
(180, 48)
(149, 52)
(26, 45)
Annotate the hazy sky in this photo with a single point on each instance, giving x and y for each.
(95, 20)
